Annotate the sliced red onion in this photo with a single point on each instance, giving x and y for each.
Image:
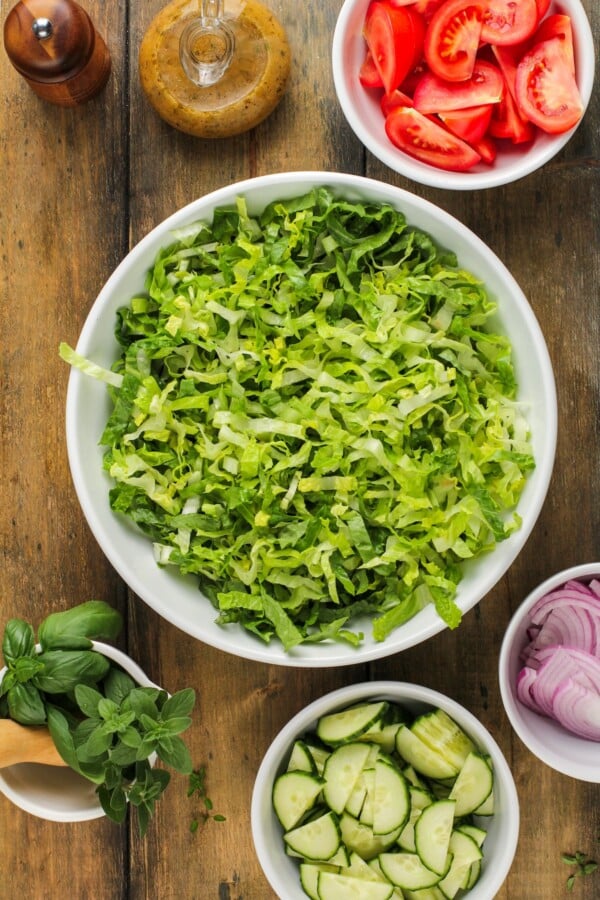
(561, 675)
(577, 709)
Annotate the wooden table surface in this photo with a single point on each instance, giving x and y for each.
(77, 189)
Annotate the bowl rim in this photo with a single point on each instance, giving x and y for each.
(398, 691)
(288, 184)
(515, 711)
(429, 175)
(94, 809)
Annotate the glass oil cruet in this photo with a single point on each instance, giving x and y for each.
(214, 68)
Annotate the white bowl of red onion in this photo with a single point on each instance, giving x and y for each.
(549, 671)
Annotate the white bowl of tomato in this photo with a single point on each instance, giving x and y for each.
(463, 94)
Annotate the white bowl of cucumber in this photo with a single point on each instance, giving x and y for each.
(381, 789)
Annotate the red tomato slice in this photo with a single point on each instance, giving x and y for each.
(469, 124)
(434, 95)
(546, 89)
(542, 7)
(559, 26)
(486, 149)
(427, 141)
(452, 38)
(394, 36)
(391, 101)
(508, 58)
(508, 22)
(507, 122)
(368, 74)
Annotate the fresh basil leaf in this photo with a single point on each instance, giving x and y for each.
(18, 640)
(60, 732)
(26, 705)
(65, 669)
(118, 685)
(74, 629)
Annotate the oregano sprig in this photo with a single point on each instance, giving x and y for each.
(197, 788)
(583, 865)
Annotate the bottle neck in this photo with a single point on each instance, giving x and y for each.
(207, 45)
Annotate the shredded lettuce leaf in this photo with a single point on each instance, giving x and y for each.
(313, 416)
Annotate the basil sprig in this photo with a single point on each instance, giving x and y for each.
(104, 725)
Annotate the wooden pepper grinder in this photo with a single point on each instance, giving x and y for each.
(53, 44)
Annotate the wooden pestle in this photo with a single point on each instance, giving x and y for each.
(26, 743)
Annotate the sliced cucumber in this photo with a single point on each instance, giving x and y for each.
(407, 871)
(473, 784)
(419, 799)
(433, 830)
(356, 800)
(382, 734)
(442, 734)
(358, 868)
(432, 893)
(341, 773)
(464, 852)
(320, 756)
(316, 840)
(487, 807)
(309, 877)
(472, 876)
(391, 798)
(294, 793)
(421, 756)
(478, 834)
(301, 759)
(332, 886)
(361, 839)
(347, 725)
(367, 811)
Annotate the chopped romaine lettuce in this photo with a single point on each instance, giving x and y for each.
(313, 415)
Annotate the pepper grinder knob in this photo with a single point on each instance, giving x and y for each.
(54, 45)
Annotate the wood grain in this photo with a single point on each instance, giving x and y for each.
(77, 189)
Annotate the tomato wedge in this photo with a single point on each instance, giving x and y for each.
(546, 89)
(508, 22)
(507, 122)
(542, 7)
(394, 36)
(486, 149)
(452, 38)
(469, 124)
(424, 139)
(434, 95)
(368, 74)
(558, 25)
(391, 101)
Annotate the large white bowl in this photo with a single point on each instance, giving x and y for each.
(177, 598)
(362, 111)
(554, 745)
(53, 792)
(502, 828)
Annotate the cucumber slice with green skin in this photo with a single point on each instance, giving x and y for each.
(391, 798)
(358, 868)
(359, 838)
(421, 757)
(487, 807)
(317, 840)
(341, 773)
(356, 800)
(347, 725)
(301, 759)
(442, 734)
(464, 852)
(478, 834)
(320, 756)
(294, 793)
(473, 784)
(332, 886)
(432, 893)
(433, 830)
(407, 871)
(472, 876)
(366, 813)
(309, 877)
(339, 860)
(384, 735)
